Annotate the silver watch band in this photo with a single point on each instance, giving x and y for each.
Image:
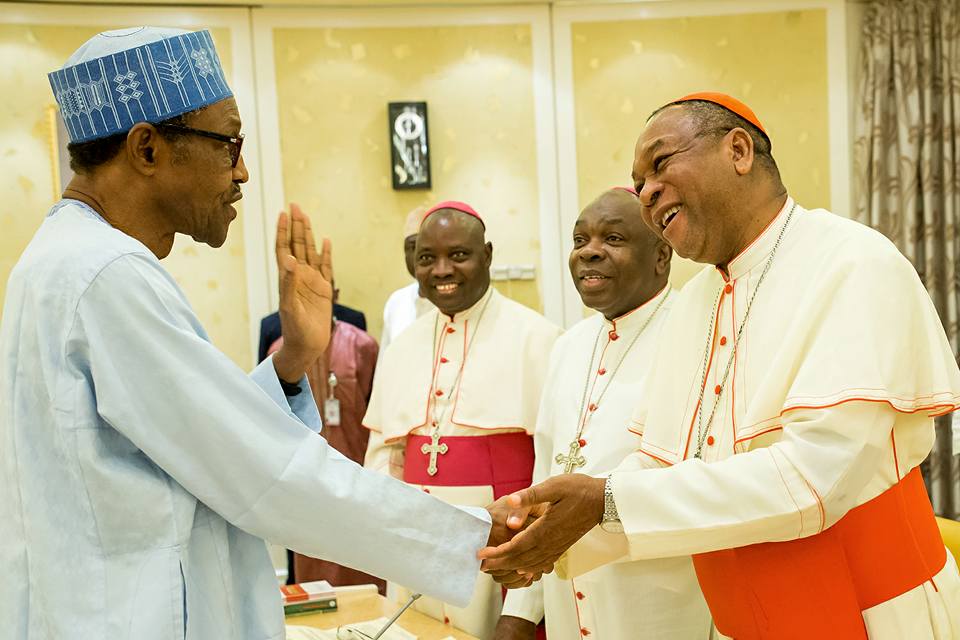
(609, 506)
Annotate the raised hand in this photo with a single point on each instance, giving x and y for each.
(568, 507)
(306, 294)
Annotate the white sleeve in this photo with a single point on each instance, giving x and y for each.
(525, 603)
(794, 488)
(301, 406)
(598, 547)
(213, 430)
(384, 458)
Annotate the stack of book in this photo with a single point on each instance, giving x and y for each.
(308, 597)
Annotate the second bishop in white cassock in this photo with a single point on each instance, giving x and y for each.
(453, 408)
(596, 369)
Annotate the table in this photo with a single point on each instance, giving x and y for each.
(357, 605)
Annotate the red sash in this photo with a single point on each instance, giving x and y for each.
(503, 461)
(817, 587)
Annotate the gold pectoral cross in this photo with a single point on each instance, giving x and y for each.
(433, 449)
(572, 460)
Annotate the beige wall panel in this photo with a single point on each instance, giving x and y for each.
(214, 280)
(775, 62)
(333, 85)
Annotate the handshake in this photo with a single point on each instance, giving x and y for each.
(534, 527)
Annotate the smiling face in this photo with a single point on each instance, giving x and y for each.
(452, 260)
(617, 263)
(199, 186)
(687, 180)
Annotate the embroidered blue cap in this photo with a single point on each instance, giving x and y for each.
(143, 74)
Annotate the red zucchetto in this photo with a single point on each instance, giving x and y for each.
(727, 102)
(456, 205)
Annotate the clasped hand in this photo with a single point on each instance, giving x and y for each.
(306, 294)
(532, 528)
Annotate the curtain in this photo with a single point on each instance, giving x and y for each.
(906, 165)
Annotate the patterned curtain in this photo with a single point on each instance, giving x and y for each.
(906, 162)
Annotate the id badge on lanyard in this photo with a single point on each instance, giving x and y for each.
(331, 406)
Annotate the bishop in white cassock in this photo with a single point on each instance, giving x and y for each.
(790, 404)
(620, 268)
(140, 469)
(455, 398)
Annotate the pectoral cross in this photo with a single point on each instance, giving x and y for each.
(433, 449)
(572, 460)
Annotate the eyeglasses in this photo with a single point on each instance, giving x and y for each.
(235, 144)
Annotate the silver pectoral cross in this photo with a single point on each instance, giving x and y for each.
(433, 449)
(572, 460)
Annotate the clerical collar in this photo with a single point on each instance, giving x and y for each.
(466, 314)
(758, 250)
(635, 318)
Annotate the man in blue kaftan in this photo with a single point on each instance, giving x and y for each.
(140, 470)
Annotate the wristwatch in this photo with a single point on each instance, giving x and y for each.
(610, 522)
